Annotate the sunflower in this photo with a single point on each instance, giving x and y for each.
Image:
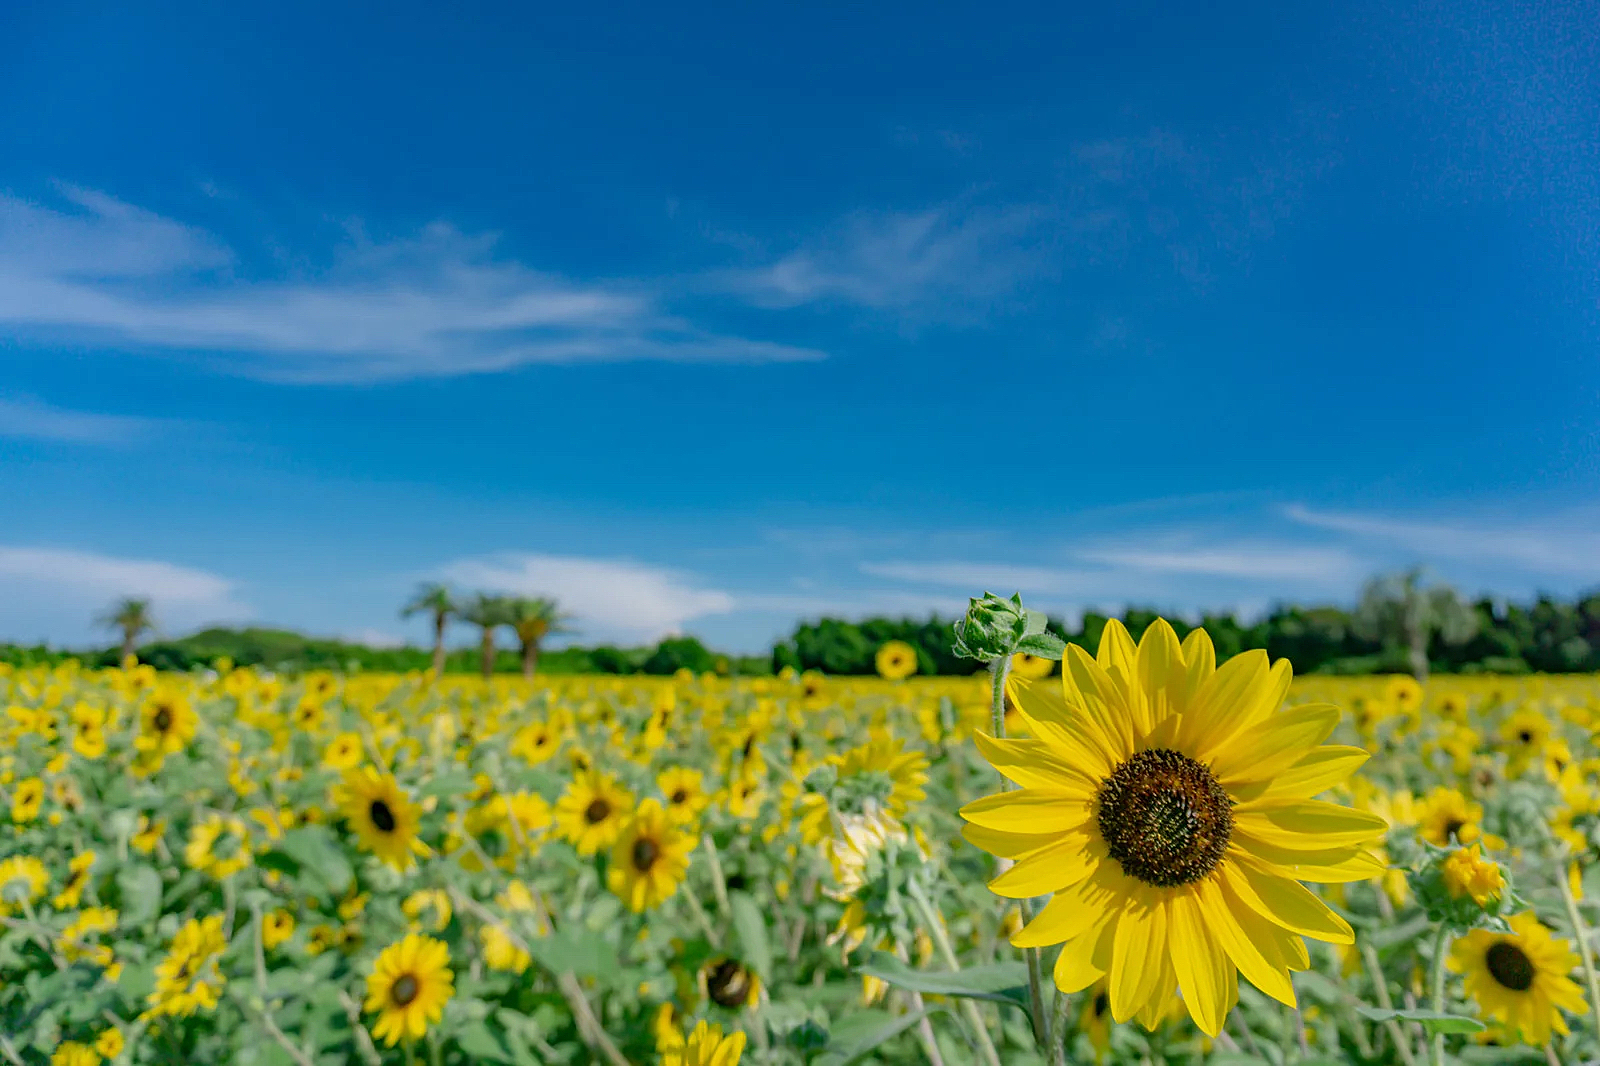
(706, 1046)
(1467, 873)
(110, 1043)
(72, 1053)
(1166, 803)
(896, 660)
(382, 816)
(685, 791)
(730, 983)
(1032, 667)
(77, 880)
(1524, 735)
(27, 799)
(1447, 817)
(219, 846)
(188, 979)
(500, 952)
(591, 811)
(1519, 978)
(649, 859)
(535, 743)
(166, 724)
(409, 985)
(343, 752)
(22, 880)
(276, 927)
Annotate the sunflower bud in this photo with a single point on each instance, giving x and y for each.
(996, 628)
(1462, 887)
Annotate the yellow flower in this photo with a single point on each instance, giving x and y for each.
(500, 953)
(89, 743)
(1519, 978)
(382, 816)
(649, 859)
(26, 800)
(1032, 667)
(1468, 873)
(77, 880)
(436, 901)
(78, 940)
(276, 927)
(590, 813)
(343, 752)
(110, 1043)
(187, 979)
(167, 723)
(535, 743)
(730, 983)
(144, 841)
(22, 879)
(409, 985)
(72, 1053)
(219, 845)
(685, 792)
(1447, 817)
(1166, 803)
(896, 660)
(706, 1046)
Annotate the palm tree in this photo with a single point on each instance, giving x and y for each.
(489, 612)
(1398, 611)
(437, 600)
(534, 618)
(132, 616)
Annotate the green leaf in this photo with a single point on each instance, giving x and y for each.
(1390, 935)
(479, 1042)
(1043, 645)
(1001, 982)
(575, 951)
(1433, 1021)
(317, 852)
(751, 925)
(858, 1035)
(140, 888)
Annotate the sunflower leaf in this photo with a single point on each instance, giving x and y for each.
(316, 850)
(1001, 982)
(1043, 645)
(576, 951)
(859, 1035)
(1433, 1021)
(751, 925)
(140, 887)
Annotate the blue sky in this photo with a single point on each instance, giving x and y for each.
(709, 318)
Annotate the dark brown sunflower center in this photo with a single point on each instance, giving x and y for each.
(1510, 965)
(1165, 818)
(1525, 736)
(597, 811)
(1452, 827)
(381, 816)
(163, 720)
(728, 983)
(679, 796)
(645, 854)
(404, 990)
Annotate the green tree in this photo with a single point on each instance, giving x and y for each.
(1398, 611)
(533, 618)
(488, 612)
(437, 601)
(132, 616)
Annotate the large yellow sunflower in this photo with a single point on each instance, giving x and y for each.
(705, 1046)
(1520, 978)
(409, 985)
(1167, 804)
(382, 816)
(590, 813)
(649, 859)
(896, 660)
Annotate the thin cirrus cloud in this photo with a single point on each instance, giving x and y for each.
(28, 418)
(940, 258)
(438, 304)
(1565, 546)
(612, 599)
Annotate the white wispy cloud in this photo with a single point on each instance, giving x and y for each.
(59, 590)
(899, 261)
(1260, 561)
(440, 303)
(612, 599)
(1559, 545)
(25, 417)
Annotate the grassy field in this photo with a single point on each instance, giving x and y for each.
(242, 867)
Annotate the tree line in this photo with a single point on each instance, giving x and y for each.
(1402, 624)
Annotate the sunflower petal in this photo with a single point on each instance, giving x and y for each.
(1137, 952)
(1284, 902)
(1029, 810)
(1006, 845)
(1034, 764)
(1049, 869)
(1245, 950)
(1322, 865)
(1279, 742)
(1199, 962)
(1297, 822)
(1085, 960)
(1162, 673)
(1318, 770)
(1072, 913)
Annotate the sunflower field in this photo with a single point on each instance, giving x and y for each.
(1142, 855)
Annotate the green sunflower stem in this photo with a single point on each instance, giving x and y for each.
(934, 920)
(1042, 1029)
(1441, 943)
(1580, 933)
